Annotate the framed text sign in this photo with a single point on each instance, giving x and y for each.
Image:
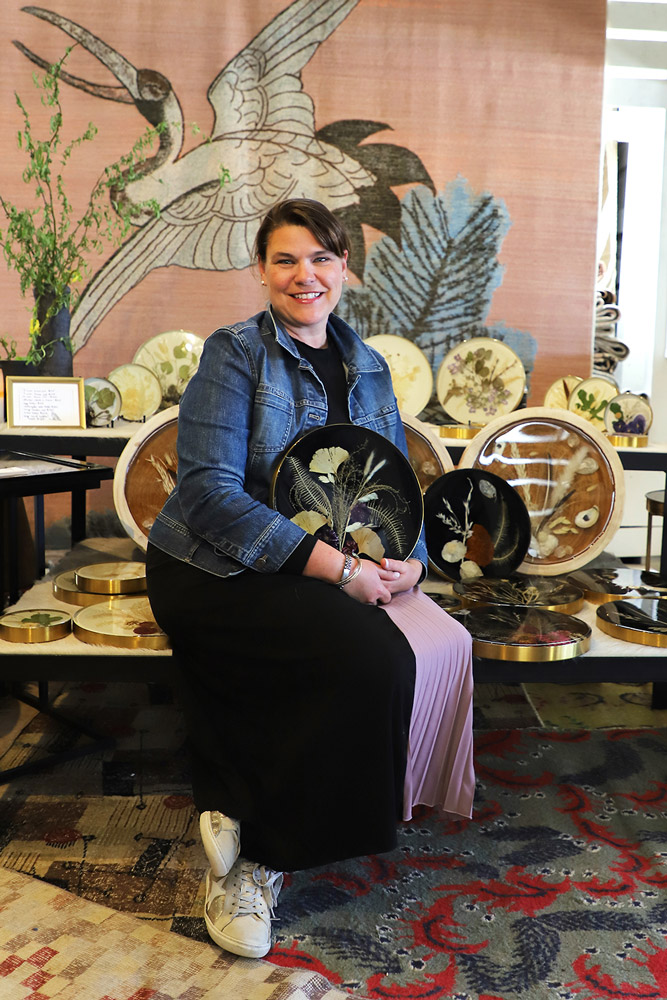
(45, 402)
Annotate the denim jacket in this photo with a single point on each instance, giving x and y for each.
(251, 398)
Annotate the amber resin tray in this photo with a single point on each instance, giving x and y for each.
(525, 634)
(642, 620)
(546, 593)
(146, 473)
(602, 585)
(427, 453)
(567, 474)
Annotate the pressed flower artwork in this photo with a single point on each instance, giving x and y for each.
(525, 633)
(628, 413)
(353, 489)
(476, 525)
(480, 379)
(550, 593)
(569, 478)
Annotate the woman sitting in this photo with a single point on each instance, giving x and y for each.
(325, 694)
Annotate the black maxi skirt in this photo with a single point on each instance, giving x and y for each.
(297, 701)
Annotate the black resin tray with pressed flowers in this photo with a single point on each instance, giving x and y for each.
(351, 488)
(476, 525)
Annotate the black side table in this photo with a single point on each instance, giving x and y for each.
(22, 476)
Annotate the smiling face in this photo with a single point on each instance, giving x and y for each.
(304, 282)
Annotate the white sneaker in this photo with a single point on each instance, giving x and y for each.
(221, 839)
(239, 908)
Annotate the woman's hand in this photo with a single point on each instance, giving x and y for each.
(403, 575)
(375, 584)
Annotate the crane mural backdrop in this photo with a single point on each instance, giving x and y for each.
(431, 268)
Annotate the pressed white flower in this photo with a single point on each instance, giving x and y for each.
(469, 570)
(453, 551)
(309, 520)
(368, 541)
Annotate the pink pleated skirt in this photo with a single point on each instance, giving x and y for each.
(440, 770)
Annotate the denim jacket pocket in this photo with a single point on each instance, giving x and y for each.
(273, 419)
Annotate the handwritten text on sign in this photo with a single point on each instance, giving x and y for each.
(46, 404)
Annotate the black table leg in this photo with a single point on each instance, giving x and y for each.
(40, 537)
(78, 516)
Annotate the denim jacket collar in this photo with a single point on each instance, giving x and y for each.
(356, 356)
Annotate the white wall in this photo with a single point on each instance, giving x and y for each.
(636, 112)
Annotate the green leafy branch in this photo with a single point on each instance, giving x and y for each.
(46, 244)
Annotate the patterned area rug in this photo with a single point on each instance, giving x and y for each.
(55, 945)
(555, 890)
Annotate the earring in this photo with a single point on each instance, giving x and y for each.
(263, 282)
(344, 277)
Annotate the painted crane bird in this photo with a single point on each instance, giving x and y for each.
(263, 134)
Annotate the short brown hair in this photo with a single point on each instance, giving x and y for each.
(310, 214)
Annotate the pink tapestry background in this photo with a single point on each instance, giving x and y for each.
(506, 96)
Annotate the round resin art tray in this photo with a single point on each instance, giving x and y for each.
(146, 474)
(546, 593)
(602, 585)
(173, 357)
(35, 625)
(569, 477)
(139, 389)
(590, 398)
(476, 524)
(558, 394)
(448, 602)
(410, 369)
(103, 402)
(643, 621)
(353, 489)
(111, 578)
(480, 379)
(427, 454)
(628, 413)
(65, 589)
(525, 634)
(124, 621)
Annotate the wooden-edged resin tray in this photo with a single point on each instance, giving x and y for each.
(145, 475)
(427, 454)
(569, 477)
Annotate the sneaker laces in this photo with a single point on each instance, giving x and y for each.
(251, 886)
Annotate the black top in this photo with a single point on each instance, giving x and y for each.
(329, 369)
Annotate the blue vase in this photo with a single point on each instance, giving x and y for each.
(54, 331)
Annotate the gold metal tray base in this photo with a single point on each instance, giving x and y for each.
(65, 589)
(628, 440)
(530, 654)
(463, 432)
(35, 625)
